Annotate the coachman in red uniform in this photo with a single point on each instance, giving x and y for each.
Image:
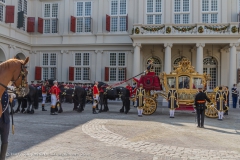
(95, 97)
(54, 97)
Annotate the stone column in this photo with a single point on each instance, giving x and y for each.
(136, 59)
(98, 65)
(168, 57)
(232, 65)
(199, 59)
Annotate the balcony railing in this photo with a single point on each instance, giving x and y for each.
(187, 29)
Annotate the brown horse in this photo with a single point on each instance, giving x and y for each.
(14, 70)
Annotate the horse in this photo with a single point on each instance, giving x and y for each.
(79, 98)
(31, 98)
(112, 94)
(14, 70)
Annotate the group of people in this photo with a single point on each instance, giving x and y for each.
(221, 99)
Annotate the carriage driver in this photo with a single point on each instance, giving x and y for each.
(95, 97)
(54, 96)
(44, 95)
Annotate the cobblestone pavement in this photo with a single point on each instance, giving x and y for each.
(114, 136)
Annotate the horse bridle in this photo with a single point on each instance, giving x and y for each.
(21, 87)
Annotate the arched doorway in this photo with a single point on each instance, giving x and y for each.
(157, 64)
(2, 56)
(210, 67)
(20, 56)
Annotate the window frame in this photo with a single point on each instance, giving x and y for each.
(154, 13)
(83, 17)
(209, 12)
(118, 16)
(117, 66)
(4, 10)
(181, 13)
(49, 66)
(82, 66)
(50, 18)
(24, 28)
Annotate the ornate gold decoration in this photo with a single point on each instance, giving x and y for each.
(137, 30)
(168, 30)
(184, 29)
(153, 29)
(184, 66)
(200, 29)
(234, 29)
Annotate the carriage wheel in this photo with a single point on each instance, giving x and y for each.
(211, 111)
(150, 106)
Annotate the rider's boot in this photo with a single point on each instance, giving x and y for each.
(3, 151)
(43, 109)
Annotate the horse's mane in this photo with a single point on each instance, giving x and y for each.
(5, 65)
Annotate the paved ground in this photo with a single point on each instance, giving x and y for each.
(113, 136)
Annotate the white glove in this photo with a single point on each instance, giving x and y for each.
(11, 87)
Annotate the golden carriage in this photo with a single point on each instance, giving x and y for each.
(185, 79)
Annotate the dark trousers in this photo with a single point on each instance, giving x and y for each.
(200, 117)
(4, 131)
(234, 101)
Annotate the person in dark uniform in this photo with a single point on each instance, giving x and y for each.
(4, 125)
(221, 101)
(200, 103)
(150, 67)
(235, 94)
(227, 98)
(172, 100)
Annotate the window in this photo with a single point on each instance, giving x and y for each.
(154, 11)
(2, 9)
(82, 63)
(49, 64)
(50, 17)
(118, 15)
(210, 67)
(181, 11)
(117, 68)
(83, 16)
(210, 11)
(22, 6)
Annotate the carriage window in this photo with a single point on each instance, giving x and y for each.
(82, 63)
(183, 82)
(171, 81)
(196, 82)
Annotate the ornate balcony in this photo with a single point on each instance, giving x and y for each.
(186, 29)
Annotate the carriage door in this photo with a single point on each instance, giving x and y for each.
(157, 64)
(210, 67)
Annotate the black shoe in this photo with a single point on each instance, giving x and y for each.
(54, 113)
(43, 109)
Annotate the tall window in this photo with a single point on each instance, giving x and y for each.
(117, 69)
(154, 11)
(2, 4)
(118, 15)
(50, 17)
(210, 67)
(82, 66)
(49, 64)
(157, 65)
(84, 10)
(22, 6)
(210, 11)
(181, 11)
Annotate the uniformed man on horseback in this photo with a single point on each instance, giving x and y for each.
(54, 97)
(200, 103)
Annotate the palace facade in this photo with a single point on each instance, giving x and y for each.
(112, 40)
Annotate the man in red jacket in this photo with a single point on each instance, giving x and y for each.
(95, 96)
(54, 96)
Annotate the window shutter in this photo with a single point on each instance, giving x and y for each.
(40, 25)
(20, 19)
(108, 22)
(127, 22)
(9, 14)
(106, 73)
(238, 75)
(73, 24)
(30, 24)
(125, 71)
(71, 74)
(38, 73)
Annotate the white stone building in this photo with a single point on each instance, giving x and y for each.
(111, 40)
